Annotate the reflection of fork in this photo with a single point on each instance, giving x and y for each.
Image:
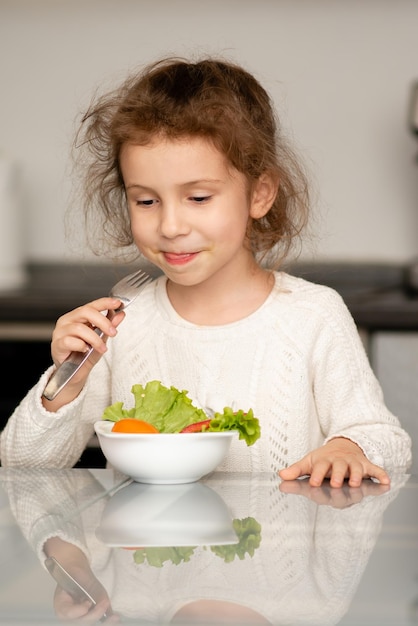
(71, 585)
(126, 291)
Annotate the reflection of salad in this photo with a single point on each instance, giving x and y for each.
(249, 538)
(172, 411)
(248, 532)
(158, 556)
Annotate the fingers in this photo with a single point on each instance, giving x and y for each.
(338, 473)
(337, 470)
(341, 498)
(301, 468)
(356, 470)
(324, 495)
(67, 608)
(339, 460)
(379, 474)
(74, 331)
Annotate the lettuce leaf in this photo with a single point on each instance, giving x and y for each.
(171, 410)
(167, 408)
(246, 424)
(116, 412)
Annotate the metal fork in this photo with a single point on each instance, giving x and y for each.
(126, 291)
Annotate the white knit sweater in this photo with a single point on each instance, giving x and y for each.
(297, 361)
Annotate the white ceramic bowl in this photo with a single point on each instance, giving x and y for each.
(163, 458)
(166, 515)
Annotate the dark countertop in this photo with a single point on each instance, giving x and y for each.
(374, 293)
(379, 296)
(53, 289)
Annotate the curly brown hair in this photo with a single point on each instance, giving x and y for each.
(175, 98)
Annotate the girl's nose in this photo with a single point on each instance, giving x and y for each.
(172, 221)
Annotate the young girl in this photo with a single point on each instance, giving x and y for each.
(187, 163)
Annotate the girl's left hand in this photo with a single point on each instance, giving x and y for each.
(337, 460)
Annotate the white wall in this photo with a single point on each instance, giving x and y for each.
(339, 71)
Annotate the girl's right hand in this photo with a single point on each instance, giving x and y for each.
(74, 332)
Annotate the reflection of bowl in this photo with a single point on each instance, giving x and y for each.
(163, 458)
(166, 515)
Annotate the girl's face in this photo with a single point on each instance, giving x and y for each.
(189, 211)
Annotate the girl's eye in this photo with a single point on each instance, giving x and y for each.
(148, 202)
(200, 199)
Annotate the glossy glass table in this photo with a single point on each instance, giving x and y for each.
(230, 549)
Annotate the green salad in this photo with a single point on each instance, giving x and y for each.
(248, 532)
(172, 411)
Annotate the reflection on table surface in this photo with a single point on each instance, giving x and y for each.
(230, 549)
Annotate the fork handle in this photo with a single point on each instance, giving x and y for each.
(68, 368)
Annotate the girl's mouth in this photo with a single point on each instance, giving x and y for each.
(181, 258)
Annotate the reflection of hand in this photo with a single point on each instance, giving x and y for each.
(338, 459)
(340, 498)
(69, 608)
(70, 604)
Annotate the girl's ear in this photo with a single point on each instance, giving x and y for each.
(263, 195)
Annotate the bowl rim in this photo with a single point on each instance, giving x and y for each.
(104, 428)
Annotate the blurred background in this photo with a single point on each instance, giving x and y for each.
(340, 74)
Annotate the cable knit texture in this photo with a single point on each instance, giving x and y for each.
(297, 361)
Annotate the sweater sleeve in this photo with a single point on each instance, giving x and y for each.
(348, 396)
(35, 437)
